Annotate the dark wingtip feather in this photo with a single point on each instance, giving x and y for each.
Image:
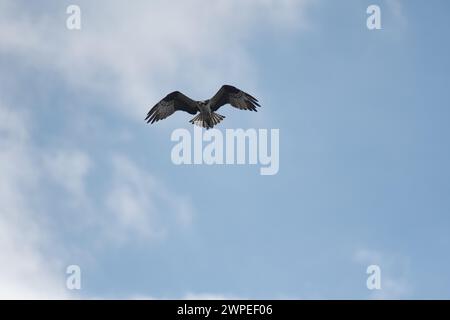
(251, 105)
(151, 115)
(256, 103)
(251, 97)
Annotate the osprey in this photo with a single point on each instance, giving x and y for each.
(207, 117)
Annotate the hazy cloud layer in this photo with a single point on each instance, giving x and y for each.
(126, 55)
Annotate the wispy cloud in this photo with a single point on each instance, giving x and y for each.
(140, 204)
(209, 296)
(69, 169)
(26, 271)
(136, 205)
(127, 55)
(191, 296)
(397, 11)
(132, 53)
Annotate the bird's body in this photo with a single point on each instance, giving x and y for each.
(207, 116)
(205, 112)
(204, 107)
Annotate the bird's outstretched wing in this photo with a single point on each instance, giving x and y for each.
(172, 102)
(237, 98)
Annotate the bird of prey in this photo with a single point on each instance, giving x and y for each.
(207, 117)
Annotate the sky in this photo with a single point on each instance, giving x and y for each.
(363, 176)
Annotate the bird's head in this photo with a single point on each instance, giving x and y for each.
(204, 102)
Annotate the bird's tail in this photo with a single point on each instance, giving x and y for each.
(207, 121)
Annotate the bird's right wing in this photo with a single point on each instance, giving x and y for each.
(172, 102)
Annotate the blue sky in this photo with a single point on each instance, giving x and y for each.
(363, 173)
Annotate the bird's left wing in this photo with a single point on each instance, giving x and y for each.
(234, 96)
(172, 102)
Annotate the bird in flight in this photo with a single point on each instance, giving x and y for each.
(207, 117)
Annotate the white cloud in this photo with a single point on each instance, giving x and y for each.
(208, 296)
(69, 168)
(395, 283)
(140, 204)
(26, 271)
(190, 296)
(132, 53)
(128, 54)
